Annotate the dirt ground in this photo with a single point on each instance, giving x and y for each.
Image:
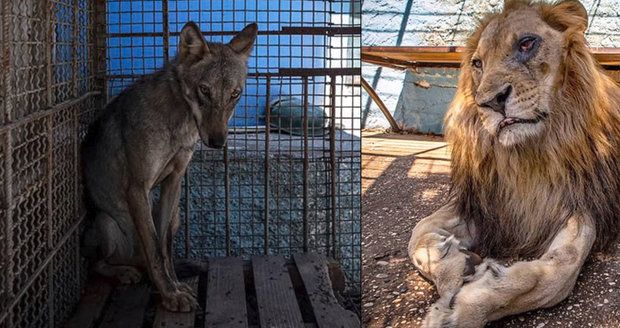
(405, 178)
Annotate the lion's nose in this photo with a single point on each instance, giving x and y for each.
(498, 101)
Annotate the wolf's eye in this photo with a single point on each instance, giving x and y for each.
(236, 93)
(477, 63)
(204, 89)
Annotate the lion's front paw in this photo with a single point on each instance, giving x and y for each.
(439, 316)
(487, 267)
(443, 316)
(443, 260)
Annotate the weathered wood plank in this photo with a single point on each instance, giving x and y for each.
(226, 304)
(89, 310)
(277, 303)
(327, 311)
(127, 307)
(165, 318)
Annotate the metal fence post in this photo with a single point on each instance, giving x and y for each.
(8, 173)
(266, 173)
(305, 164)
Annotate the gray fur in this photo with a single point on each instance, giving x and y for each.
(145, 138)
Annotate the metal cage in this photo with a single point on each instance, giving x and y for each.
(275, 189)
(51, 87)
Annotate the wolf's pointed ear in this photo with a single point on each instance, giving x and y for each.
(192, 45)
(242, 42)
(567, 14)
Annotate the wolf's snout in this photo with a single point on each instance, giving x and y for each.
(216, 142)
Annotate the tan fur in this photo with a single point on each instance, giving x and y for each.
(547, 186)
(526, 192)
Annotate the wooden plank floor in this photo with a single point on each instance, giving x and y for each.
(265, 292)
(315, 276)
(226, 305)
(275, 295)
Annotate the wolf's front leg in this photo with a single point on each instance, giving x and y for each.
(440, 249)
(168, 222)
(173, 299)
(501, 291)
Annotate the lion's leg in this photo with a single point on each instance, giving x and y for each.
(440, 249)
(524, 286)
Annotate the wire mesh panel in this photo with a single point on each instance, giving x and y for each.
(289, 179)
(48, 94)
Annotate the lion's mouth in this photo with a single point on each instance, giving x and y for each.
(508, 121)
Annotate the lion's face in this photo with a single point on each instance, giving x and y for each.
(534, 129)
(513, 69)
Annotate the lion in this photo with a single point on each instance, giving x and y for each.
(534, 131)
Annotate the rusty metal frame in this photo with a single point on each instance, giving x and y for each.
(55, 244)
(386, 112)
(45, 115)
(66, 117)
(402, 57)
(266, 171)
(288, 30)
(306, 79)
(8, 235)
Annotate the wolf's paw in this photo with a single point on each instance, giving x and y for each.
(185, 288)
(179, 301)
(127, 275)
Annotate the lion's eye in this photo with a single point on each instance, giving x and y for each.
(477, 63)
(236, 93)
(526, 44)
(204, 89)
(526, 48)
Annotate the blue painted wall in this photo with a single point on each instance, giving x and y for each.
(440, 23)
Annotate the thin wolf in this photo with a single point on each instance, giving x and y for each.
(145, 138)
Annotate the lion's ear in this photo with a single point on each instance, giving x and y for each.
(566, 14)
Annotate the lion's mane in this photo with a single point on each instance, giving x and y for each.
(518, 198)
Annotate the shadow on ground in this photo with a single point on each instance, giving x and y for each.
(398, 191)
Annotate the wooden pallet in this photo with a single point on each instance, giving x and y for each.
(266, 292)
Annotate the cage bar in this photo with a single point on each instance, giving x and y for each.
(287, 181)
(49, 94)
